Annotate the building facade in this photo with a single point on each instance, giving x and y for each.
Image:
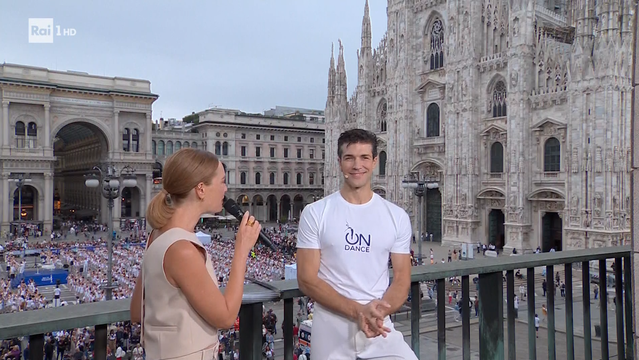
(274, 164)
(514, 112)
(56, 126)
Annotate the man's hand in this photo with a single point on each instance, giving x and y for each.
(371, 318)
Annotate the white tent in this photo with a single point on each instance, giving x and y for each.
(204, 238)
(290, 271)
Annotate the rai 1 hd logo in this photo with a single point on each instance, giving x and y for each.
(43, 31)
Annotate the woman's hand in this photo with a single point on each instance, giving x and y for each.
(247, 233)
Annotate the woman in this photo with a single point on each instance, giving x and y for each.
(176, 296)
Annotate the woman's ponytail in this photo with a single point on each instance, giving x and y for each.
(160, 210)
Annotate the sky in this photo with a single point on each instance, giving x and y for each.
(249, 55)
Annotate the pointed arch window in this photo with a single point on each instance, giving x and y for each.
(32, 135)
(437, 45)
(499, 99)
(382, 163)
(154, 147)
(382, 113)
(497, 158)
(552, 155)
(225, 148)
(243, 178)
(272, 178)
(218, 148)
(432, 120)
(258, 178)
(20, 132)
(299, 178)
(285, 178)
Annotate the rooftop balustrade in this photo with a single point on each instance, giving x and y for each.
(497, 315)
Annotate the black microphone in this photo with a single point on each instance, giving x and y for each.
(234, 209)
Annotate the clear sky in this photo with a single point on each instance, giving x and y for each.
(242, 54)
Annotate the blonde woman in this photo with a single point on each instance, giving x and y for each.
(176, 297)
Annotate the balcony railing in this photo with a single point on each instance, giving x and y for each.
(495, 340)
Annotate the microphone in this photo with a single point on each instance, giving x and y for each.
(234, 209)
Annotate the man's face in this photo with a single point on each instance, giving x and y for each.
(357, 164)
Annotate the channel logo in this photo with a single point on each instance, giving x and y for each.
(42, 31)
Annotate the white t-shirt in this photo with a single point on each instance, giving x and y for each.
(355, 242)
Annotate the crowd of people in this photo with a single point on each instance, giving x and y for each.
(85, 255)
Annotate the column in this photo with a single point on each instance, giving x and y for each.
(48, 203)
(278, 204)
(148, 190)
(5, 123)
(148, 131)
(117, 211)
(5, 202)
(47, 127)
(40, 208)
(116, 131)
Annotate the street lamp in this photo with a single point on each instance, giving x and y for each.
(111, 182)
(413, 182)
(20, 180)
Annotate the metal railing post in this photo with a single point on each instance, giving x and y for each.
(491, 316)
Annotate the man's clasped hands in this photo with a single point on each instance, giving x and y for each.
(371, 318)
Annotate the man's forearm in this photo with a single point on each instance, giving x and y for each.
(396, 296)
(320, 291)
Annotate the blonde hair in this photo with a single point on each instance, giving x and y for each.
(182, 172)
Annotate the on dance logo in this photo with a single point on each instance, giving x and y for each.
(356, 241)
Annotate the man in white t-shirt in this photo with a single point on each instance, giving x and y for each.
(344, 243)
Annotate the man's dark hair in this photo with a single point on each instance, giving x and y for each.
(355, 136)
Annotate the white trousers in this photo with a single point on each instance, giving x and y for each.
(337, 338)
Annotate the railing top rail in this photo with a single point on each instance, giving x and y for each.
(504, 263)
(108, 312)
(62, 318)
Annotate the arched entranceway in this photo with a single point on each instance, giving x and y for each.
(298, 206)
(271, 202)
(258, 208)
(552, 232)
(25, 204)
(130, 203)
(433, 213)
(285, 208)
(79, 145)
(496, 233)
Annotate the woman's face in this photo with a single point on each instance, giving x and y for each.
(215, 192)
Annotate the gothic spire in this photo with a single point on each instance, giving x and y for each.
(341, 72)
(366, 29)
(331, 77)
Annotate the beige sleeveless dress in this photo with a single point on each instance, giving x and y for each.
(171, 328)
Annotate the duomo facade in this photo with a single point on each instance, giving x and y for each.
(516, 113)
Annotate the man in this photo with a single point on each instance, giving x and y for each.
(344, 242)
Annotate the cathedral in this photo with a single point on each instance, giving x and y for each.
(516, 114)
